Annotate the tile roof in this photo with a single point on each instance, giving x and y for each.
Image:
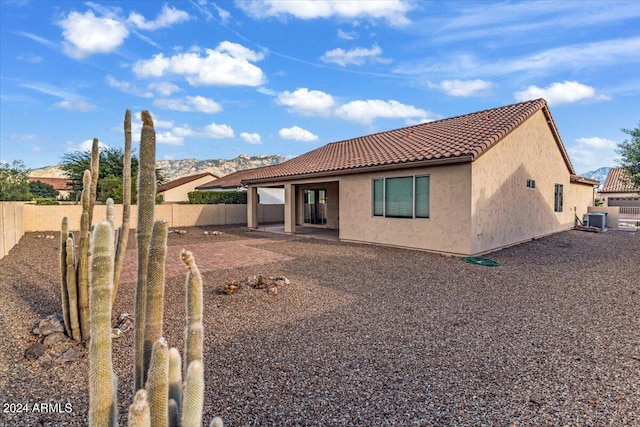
(63, 184)
(181, 181)
(457, 139)
(233, 180)
(618, 182)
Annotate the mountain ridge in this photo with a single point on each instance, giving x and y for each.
(174, 169)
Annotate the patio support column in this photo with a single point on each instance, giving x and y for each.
(252, 207)
(289, 208)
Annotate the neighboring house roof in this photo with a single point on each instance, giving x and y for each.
(457, 139)
(618, 181)
(181, 181)
(233, 180)
(60, 184)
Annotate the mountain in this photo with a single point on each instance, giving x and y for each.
(174, 169)
(600, 174)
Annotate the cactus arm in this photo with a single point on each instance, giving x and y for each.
(111, 214)
(101, 376)
(72, 292)
(193, 400)
(174, 414)
(94, 165)
(139, 415)
(155, 289)
(83, 261)
(175, 376)
(195, 330)
(217, 422)
(146, 215)
(64, 294)
(123, 235)
(158, 384)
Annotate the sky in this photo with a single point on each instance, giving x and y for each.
(224, 78)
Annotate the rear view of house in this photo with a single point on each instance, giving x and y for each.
(466, 185)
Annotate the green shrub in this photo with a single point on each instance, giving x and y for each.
(45, 201)
(218, 197)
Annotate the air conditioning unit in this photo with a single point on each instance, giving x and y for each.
(597, 219)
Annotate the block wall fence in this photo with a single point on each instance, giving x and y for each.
(17, 218)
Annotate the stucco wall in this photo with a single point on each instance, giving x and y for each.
(504, 211)
(11, 227)
(447, 230)
(181, 193)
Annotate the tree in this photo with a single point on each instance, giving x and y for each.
(629, 152)
(110, 174)
(14, 181)
(42, 189)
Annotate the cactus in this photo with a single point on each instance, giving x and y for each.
(111, 214)
(158, 384)
(175, 376)
(102, 381)
(195, 329)
(193, 396)
(64, 293)
(74, 320)
(146, 215)
(123, 234)
(155, 289)
(139, 412)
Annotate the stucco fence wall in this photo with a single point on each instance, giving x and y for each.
(19, 218)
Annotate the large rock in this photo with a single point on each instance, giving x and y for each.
(49, 325)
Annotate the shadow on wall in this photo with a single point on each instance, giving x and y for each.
(514, 213)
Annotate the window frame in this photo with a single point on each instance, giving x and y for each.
(558, 197)
(383, 201)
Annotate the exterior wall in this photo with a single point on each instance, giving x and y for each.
(333, 202)
(504, 211)
(11, 225)
(620, 199)
(447, 230)
(181, 193)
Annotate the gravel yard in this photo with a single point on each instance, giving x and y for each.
(366, 335)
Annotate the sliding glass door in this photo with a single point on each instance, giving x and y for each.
(315, 207)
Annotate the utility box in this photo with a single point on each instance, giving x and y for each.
(597, 219)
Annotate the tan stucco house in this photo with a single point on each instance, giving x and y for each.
(233, 182)
(178, 190)
(466, 185)
(618, 190)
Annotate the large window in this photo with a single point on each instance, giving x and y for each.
(402, 197)
(557, 198)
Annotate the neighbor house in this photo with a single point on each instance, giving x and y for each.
(62, 185)
(233, 182)
(618, 190)
(466, 185)
(178, 190)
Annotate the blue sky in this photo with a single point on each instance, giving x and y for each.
(224, 78)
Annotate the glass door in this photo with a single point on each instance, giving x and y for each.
(315, 207)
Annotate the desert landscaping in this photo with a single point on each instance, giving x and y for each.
(360, 334)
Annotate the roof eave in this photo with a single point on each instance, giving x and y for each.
(365, 169)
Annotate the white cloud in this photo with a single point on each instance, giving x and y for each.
(394, 11)
(166, 18)
(76, 105)
(229, 64)
(218, 131)
(169, 138)
(357, 56)
(591, 153)
(347, 35)
(164, 88)
(251, 138)
(86, 34)
(558, 93)
(127, 87)
(85, 145)
(307, 102)
(365, 111)
(462, 87)
(296, 133)
(189, 103)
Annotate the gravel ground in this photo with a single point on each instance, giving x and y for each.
(366, 335)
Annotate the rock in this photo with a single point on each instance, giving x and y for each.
(116, 332)
(231, 288)
(35, 351)
(45, 359)
(70, 355)
(274, 289)
(54, 338)
(49, 325)
(125, 322)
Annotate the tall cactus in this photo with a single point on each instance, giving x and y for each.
(146, 218)
(123, 234)
(195, 329)
(102, 380)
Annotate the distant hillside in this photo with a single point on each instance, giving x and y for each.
(600, 174)
(173, 169)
